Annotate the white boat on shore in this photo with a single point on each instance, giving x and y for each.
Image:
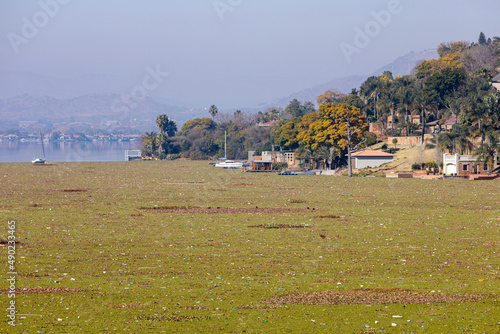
(228, 164)
(40, 160)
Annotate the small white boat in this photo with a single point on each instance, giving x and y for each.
(40, 160)
(228, 164)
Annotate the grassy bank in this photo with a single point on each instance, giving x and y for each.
(184, 247)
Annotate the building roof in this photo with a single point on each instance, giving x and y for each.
(496, 79)
(372, 153)
(452, 120)
(270, 123)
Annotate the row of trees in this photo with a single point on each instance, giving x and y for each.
(458, 84)
(203, 138)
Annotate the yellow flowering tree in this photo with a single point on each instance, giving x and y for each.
(340, 126)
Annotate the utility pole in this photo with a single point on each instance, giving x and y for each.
(349, 146)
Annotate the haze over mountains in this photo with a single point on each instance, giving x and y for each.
(401, 66)
(99, 99)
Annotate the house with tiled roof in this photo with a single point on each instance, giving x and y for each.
(439, 125)
(370, 158)
(496, 82)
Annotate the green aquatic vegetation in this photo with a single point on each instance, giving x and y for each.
(142, 247)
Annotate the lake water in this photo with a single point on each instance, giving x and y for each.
(66, 152)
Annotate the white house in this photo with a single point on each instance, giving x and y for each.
(465, 165)
(370, 158)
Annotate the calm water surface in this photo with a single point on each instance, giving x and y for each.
(61, 152)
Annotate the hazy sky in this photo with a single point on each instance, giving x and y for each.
(230, 52)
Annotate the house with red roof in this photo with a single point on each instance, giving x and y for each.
(370, 159)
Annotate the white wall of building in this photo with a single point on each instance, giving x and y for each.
(450, 163)
(364, 162)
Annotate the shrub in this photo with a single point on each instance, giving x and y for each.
(431, 165)
(280, 166)
(416, 166)
(196, 155)
(384, 147)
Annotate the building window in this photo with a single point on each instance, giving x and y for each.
(465, 168)
(485, 168)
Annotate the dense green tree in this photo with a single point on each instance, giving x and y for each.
(446, 82)
(296, 109)
(198, 124)
(329, 97)
(482, 39)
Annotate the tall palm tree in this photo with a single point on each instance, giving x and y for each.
(425, 103)
(479, 114)
(370, 90)
(454, 104)
(405, 96)
(213, 111)
(326, 154)
(162, 140)
(304, 154)
(150, 142)
(166, 126)
(161, 123)
(438, 142)
(488, 150)
(463, 142)
(492, 104)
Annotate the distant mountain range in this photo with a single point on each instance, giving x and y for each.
(13, 83)
(401, 66)
(97, 100)
(92, 111)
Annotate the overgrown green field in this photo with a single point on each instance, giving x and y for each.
(152, 253)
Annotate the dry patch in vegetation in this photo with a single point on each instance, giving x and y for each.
(181, 183)
(329, 217)
(338, 236)
(131, 305)
(219, 210)
(372, 296)
(164, 208)
(172, 318)
(260, 307)
(278, 226)
(297, 201)
(26, 291)
(73, 190)
(34, 274)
